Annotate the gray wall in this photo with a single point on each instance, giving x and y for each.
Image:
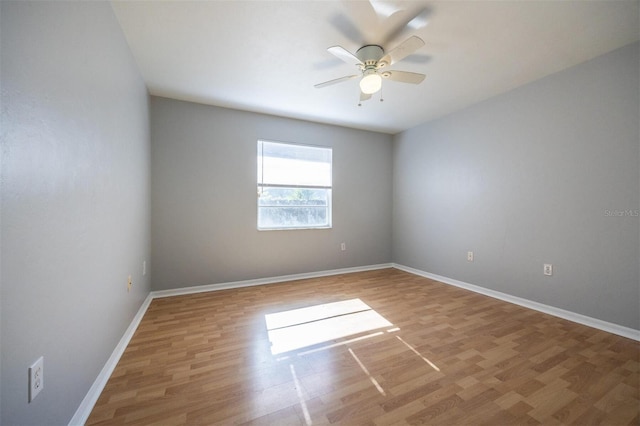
(204, 191)
(527, 178)
(75, 200)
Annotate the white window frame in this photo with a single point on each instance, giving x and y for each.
(262, 186)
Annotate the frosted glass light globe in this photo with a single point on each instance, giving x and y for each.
(370, 83)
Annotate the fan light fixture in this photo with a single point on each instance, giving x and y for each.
(371, 82)
(370, 60)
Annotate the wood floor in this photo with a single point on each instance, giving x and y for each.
(424, 353)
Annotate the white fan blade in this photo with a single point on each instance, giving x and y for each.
(365, 18)
(345, 55)
(404, 76)
(410, 23)
(419, 21)
(364, 96)
(385, 8)
(403, 50)
(336, 81)
(347, 28)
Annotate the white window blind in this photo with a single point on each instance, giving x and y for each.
(294, 186)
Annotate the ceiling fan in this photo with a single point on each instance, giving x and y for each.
(371, 60)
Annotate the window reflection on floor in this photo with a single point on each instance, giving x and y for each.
(300, 328)
(325, 327)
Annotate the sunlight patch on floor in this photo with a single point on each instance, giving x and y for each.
(435, 367)
(371, 378)
(304, 327)
(303, 404)
(333, 345)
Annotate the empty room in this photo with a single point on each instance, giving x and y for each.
(320, 212)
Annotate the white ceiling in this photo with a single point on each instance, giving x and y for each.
(266, 56)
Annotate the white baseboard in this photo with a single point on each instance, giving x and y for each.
(89, 401)
(262, 281)
(620, 330)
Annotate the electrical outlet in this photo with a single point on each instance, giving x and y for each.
(470, 256)
(343, 247)
(548, 269)
(36, 378)
(129, 284)
(144, 267)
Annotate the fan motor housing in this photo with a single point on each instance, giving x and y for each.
(370, 54)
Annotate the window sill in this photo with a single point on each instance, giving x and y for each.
(310, 228)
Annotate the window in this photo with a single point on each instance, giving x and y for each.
(294, 186)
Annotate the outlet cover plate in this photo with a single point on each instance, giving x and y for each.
(36, 378)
